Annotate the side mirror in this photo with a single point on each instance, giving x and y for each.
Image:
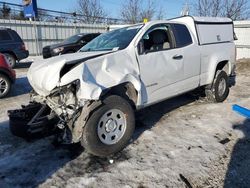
(140, 47)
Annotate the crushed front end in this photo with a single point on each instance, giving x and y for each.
(43, 116)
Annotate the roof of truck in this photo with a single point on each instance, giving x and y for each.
(204, 19)
(197, 20)
(212, 19)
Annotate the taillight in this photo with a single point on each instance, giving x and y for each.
(4, 61)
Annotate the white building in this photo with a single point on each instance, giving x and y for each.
(242, 31)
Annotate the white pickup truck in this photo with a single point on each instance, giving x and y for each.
(93, 94)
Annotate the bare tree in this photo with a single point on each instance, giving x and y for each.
(5, 11)
(91, 10)
(160, 14)
(208, 7)
(149, 11)
(235, 9)
(18, 16)
(133, 11)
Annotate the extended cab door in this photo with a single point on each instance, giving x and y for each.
(161, 64)
(191, 56)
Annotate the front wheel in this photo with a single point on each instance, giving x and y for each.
(109, 128)
(5, 85)
(219, 90)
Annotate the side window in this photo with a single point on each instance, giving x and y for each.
(157, 38)
(5, 36)
(182, 35)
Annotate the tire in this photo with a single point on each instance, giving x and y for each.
(104, 122)
(5, 85)
(11, 59)
(219, 90)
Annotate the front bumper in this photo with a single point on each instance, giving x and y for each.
(32, 121)
(22, 54)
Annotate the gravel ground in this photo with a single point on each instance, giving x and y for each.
(182, 142)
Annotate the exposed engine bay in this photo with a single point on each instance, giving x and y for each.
(58, 111)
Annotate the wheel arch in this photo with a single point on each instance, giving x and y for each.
(5, 73)
(224, 65)
(125, 90)
(9, 52)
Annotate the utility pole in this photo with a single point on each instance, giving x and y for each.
(185, 9)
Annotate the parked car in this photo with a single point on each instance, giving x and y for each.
(7, 76)
(94, 93)
(12, 46)
(70, 45)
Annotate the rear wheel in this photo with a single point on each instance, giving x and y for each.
(109, 128)
(219, 91)
(11, 59)
(5, 85)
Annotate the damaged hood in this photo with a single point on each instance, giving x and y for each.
(44, 75)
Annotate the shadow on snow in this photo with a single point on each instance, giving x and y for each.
(32, 163)
(238, 169)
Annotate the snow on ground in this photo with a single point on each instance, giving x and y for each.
(182, 142)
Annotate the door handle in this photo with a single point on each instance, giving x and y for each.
(178, 57)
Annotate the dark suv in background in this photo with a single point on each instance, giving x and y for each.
(12, 46)
(70, 45)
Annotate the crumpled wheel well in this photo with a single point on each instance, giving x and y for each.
(124, 90)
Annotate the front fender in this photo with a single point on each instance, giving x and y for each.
(102, 73)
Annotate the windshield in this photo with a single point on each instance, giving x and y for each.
(115, 40)
(73, 39)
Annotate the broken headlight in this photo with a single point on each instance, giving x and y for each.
(63, 100)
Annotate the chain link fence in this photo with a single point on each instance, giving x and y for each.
(50, 26)
(15, 11)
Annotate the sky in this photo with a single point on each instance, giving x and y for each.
(171, 8)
